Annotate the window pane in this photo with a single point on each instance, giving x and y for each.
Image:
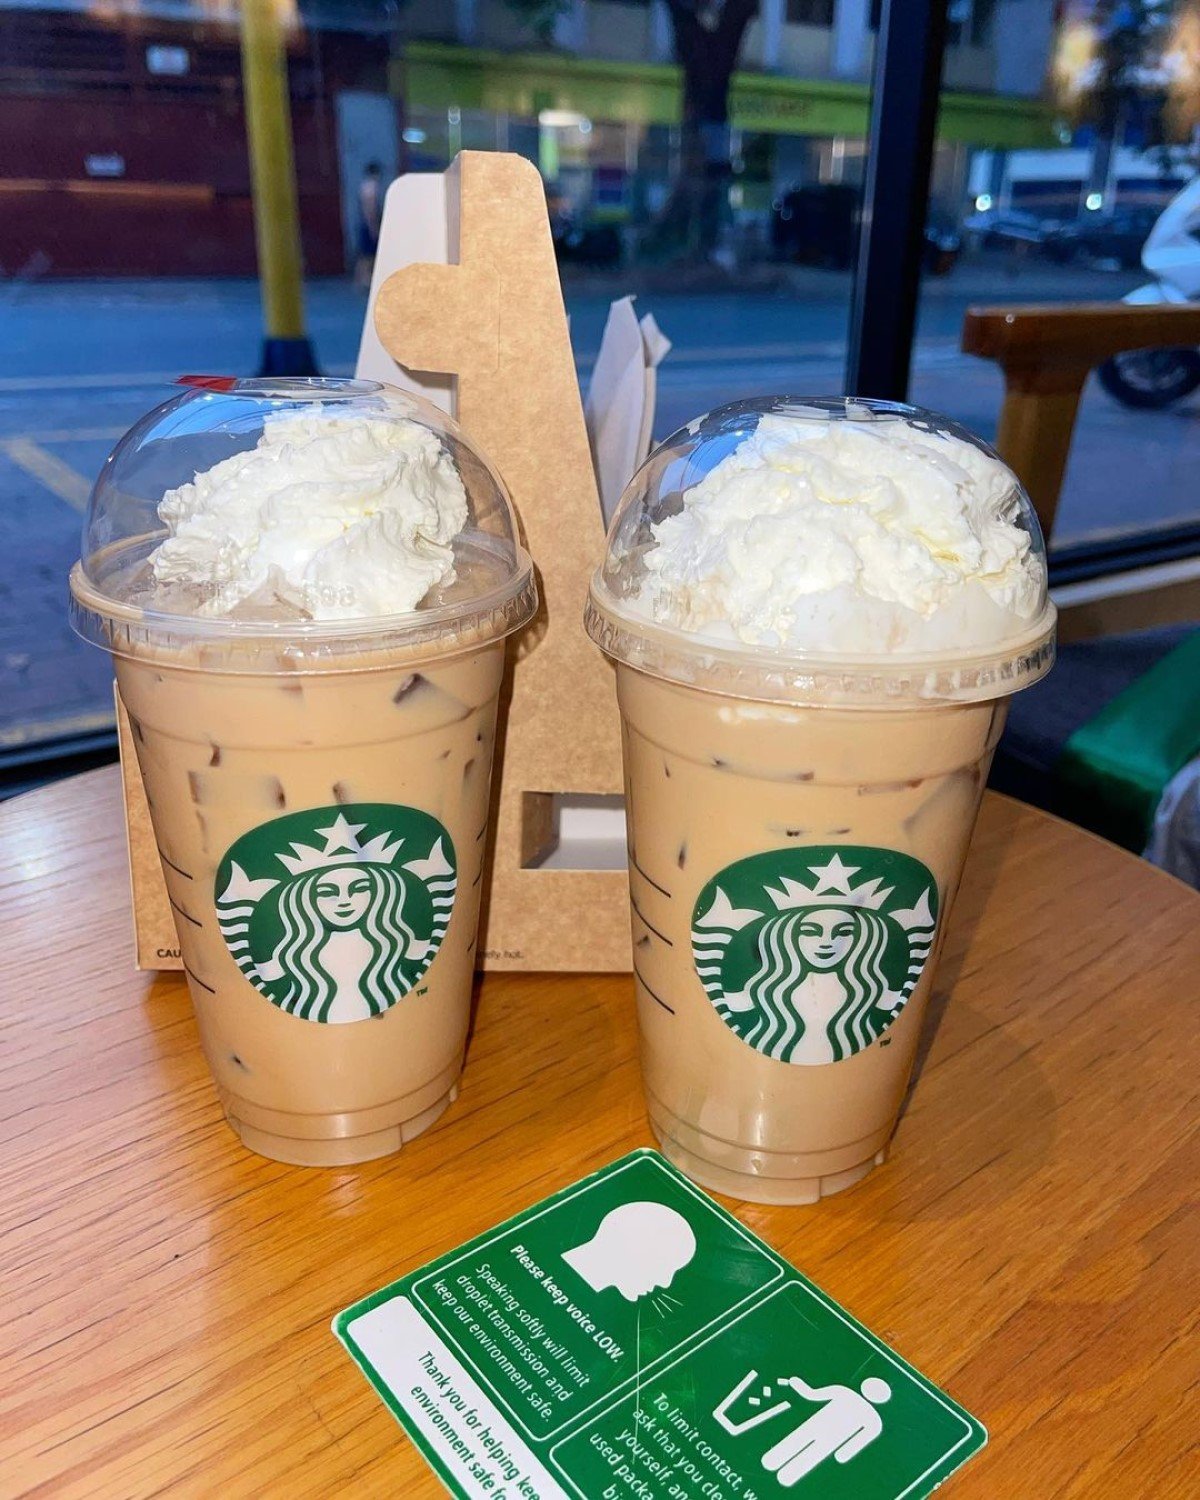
(128, 256)
(127, 231)
(1051, 199)
(129, 249)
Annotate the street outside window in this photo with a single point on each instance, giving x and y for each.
(710, 160)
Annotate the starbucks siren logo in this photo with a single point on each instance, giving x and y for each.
(811, 954)
(336, 913)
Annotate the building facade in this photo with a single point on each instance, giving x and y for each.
(123, 141)
(599, 110)
(122, 137)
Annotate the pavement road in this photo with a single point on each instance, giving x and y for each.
(79, 362)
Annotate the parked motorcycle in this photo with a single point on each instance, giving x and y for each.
(1154, 378)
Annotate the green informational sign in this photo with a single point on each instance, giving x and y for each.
(629, 1340)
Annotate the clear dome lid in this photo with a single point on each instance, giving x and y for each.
(253, 522)
(826, 550)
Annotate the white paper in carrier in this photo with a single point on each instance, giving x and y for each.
(621, 399)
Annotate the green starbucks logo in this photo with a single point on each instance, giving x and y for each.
(336, 913)
(810, 954)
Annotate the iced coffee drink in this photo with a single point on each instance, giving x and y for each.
(306, 588)
(817, 612)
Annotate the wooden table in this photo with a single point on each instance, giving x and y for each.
(1032, 1245)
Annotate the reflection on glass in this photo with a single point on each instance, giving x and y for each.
(717, 175)
(1070, 212)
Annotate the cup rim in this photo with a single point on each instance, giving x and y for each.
(236, 645)
(767, 674)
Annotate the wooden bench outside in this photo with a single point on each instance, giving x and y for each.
(1046, 352)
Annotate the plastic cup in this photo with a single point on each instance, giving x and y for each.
(319, 789)
(797, 830)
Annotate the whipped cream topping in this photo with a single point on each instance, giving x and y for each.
(846, 536)
(337, 517)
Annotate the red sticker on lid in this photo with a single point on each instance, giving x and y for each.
(209, 382)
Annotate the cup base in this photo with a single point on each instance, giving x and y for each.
(757, 1184)
(342, 1150)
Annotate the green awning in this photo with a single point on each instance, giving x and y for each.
(438, 75)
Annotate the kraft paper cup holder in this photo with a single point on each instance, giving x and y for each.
(468, 311)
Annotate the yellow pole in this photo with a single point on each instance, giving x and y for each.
(286, 350)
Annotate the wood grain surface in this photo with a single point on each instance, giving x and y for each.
(1031, 1245)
